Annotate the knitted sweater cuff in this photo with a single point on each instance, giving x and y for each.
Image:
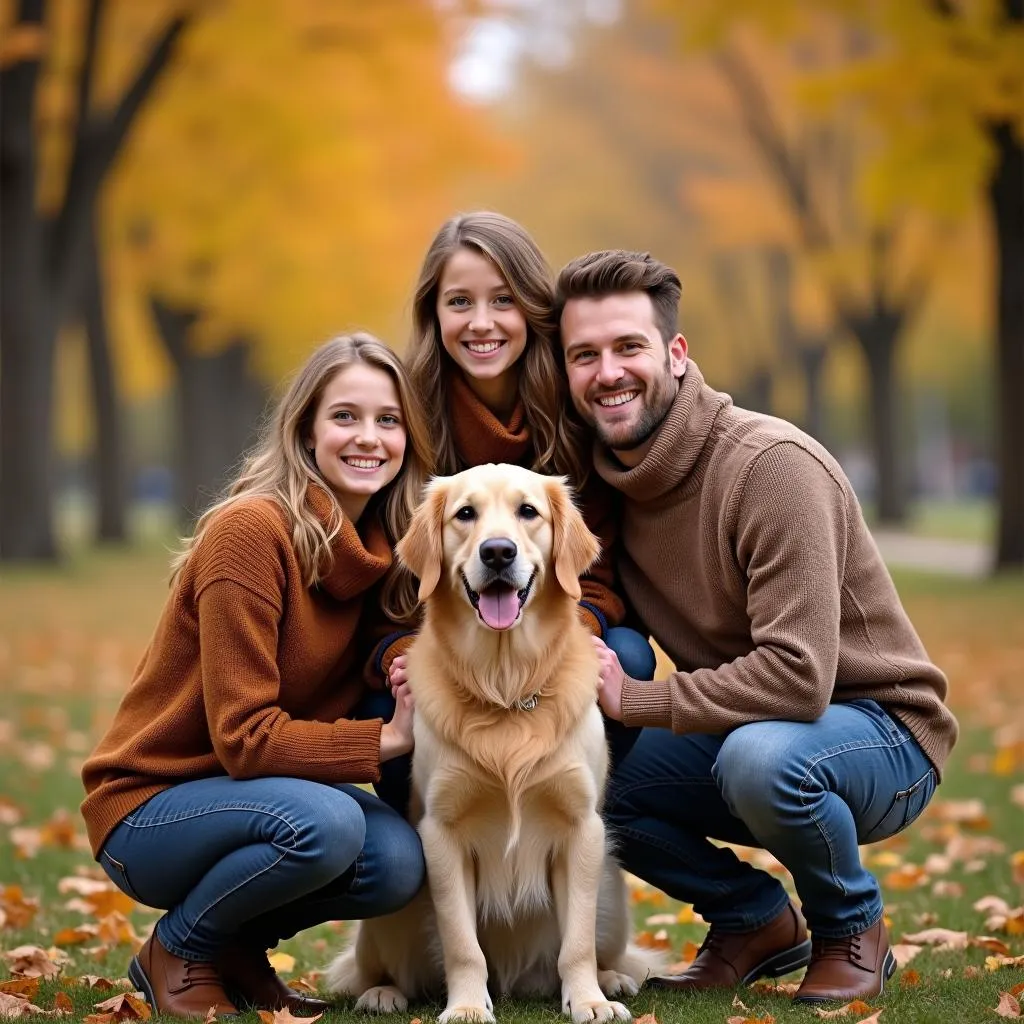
(647, 703)
(591, 617)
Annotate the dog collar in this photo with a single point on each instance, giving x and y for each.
(527, 703)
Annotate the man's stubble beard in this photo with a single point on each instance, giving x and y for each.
(655, 410)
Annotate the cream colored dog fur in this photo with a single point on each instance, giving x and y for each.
(509, 768)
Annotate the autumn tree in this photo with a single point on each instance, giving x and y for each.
(283, 190)
(44, 254)
(942, 83)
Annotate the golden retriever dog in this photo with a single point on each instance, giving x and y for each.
(508, 771)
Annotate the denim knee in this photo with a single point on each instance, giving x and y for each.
(634, 651)
(330, 831)
(756, 767)
(402, 864)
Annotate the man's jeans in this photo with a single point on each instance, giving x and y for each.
(636, 656)
(808, 792)
(261, 859)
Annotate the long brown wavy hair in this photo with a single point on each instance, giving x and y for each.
(556, 433)
(281, 467)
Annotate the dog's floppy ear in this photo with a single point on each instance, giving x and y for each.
(421, 549)
(575, 548)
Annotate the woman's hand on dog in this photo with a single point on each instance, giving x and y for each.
(398, 674)
(610, 680)
(396, 735)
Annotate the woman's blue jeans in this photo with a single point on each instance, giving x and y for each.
(636, 656)
(258, 860)
(808, 792)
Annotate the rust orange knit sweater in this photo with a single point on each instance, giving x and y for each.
(250, 672)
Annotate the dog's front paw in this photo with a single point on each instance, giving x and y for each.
(613, 983)
(596, 1009)
(382, 999)
(481, 1014)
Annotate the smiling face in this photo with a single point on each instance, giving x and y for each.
(622, 376)
(482, 328)
(358, 435)
(495, 537)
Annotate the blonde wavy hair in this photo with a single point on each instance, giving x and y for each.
(281, 467)
(558, 436)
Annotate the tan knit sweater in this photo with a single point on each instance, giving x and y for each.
(250, 672)
(480, 437)
(745, 553)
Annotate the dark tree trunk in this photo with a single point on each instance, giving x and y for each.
(27, 327)
(878, 341)
(1007, 196)
(108, 457)
(758, 391)
(812, 363)
(41, 269)
(219, 408)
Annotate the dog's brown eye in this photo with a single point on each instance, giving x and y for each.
(466, 514)
(527, 512)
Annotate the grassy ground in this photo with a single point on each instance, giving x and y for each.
(69, 640)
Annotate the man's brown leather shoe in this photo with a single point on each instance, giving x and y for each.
(854, 967)
(729, 959)
(254, 984)
(177, 987)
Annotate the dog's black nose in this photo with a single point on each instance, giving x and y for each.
(498, 553)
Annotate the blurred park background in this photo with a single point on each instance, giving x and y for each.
(197, 192)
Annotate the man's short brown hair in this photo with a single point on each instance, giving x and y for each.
(613, 271)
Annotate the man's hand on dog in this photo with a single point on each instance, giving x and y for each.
(610, 679)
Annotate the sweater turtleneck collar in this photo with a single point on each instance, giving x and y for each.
(358, 563)
(479, 435)
(676, 446)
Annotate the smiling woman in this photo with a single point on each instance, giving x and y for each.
(358, 437)
(226, 790)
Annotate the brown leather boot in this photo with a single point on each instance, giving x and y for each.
(177, 987)
(254, 984)
(729, 959)
(854, 967)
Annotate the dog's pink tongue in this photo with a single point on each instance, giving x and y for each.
(498, 606)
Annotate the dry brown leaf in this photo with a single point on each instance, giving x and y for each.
(962, 812)
(1017, 795)
(997, 963)
(910, 978)
(766, 1019)
(857, 1006)
(772, 988)
(16, 909)
(94, 981)
(653, 940)
(906, 876)
(415, 1020)
(941, 938)
(26, 988)
(125, 1006)
(285, 1016)
(62, 1001)
(1017, 864)
(946, 887)
(1008, 1006)
(873, 1019)
(211, 1015)
(99, 1018)
(31, 962)
(76, 936)
(283, 963)
(905, 952)
(647, 1018)
(738, 1004)
(1017, 989)
(992, 944)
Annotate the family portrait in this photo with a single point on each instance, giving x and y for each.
(511, 511)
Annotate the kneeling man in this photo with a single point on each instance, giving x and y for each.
(804, 716)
